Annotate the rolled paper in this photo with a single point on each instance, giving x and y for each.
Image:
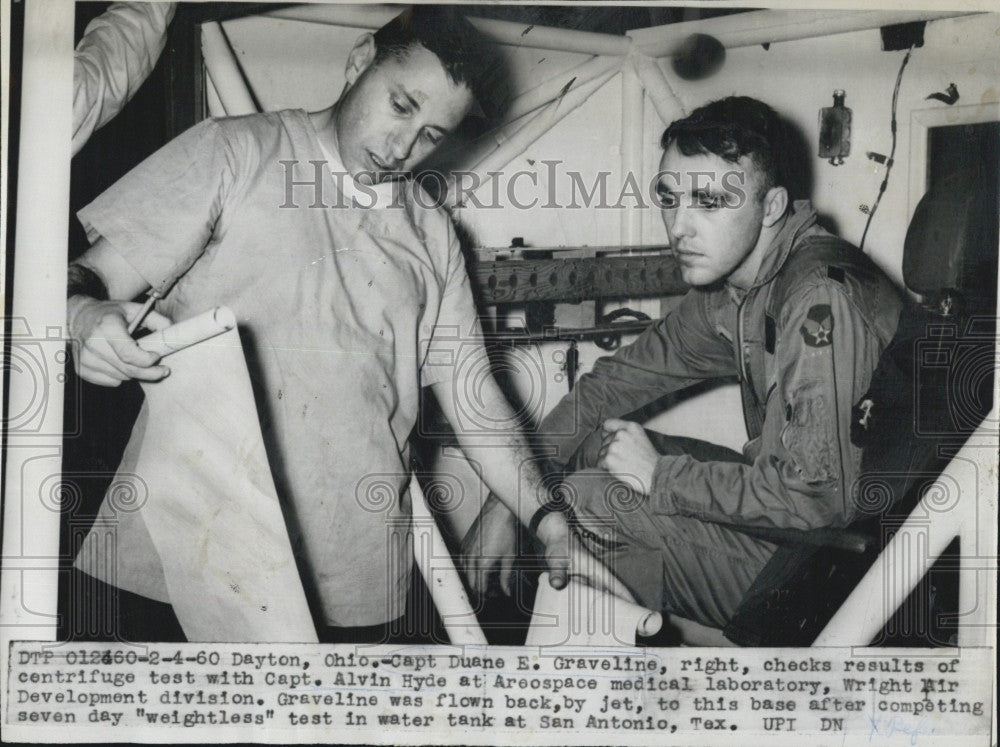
(438, 571)
(189, 332)
(580, 615)
(649, 624)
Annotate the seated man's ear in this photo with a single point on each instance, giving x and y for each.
(775, 205)
(360, 58)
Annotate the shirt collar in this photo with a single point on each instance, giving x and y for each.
(381, 195)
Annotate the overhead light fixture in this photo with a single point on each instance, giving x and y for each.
(698, 57)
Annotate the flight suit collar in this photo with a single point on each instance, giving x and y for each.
(800, 219)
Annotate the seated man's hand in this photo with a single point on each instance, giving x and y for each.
(490, 546)
(104, 351)
(567, 558)
(628, 454)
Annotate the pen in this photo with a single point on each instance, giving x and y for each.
(134, 324)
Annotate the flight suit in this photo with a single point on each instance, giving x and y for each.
(803, 340)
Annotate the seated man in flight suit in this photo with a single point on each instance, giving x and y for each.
(800, 316)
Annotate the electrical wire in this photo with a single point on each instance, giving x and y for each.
(892, 153)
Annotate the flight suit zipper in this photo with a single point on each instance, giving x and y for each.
(751, 403)
(744, 353)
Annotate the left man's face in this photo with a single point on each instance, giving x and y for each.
(713, 214)
(394, 113)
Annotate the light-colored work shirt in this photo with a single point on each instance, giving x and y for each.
(337, 306)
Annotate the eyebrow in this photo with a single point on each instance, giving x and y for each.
(406, 94)
(400, 90)
(663, 189)
(663, 186)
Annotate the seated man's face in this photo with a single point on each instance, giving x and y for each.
(713, 213)
(395, 112)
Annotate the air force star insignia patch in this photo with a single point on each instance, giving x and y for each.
(817, 330)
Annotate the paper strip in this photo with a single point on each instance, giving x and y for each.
(580, 615)
(212, 509)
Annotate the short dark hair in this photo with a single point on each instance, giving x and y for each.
(445, 33)
(734, 127)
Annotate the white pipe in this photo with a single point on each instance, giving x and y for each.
(4, 130)
(224, 71)
(977, 600)
(538, 126)
(490, 142)
(215, 107)
(896, 572)
(369, 17)
(918, 543)
(543, 93)
(981, 628)
(501, 32)
(547, 37)
(767, 26)
(631, 155)
(516, 118)
(668, 106)
(438, 571)
(31, 526)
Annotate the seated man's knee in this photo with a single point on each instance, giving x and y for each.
(593, 492)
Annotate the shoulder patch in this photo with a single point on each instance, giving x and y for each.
(817, 331)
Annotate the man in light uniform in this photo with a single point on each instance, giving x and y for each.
(345, 309)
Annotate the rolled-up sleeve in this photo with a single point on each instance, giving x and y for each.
(806, 464)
